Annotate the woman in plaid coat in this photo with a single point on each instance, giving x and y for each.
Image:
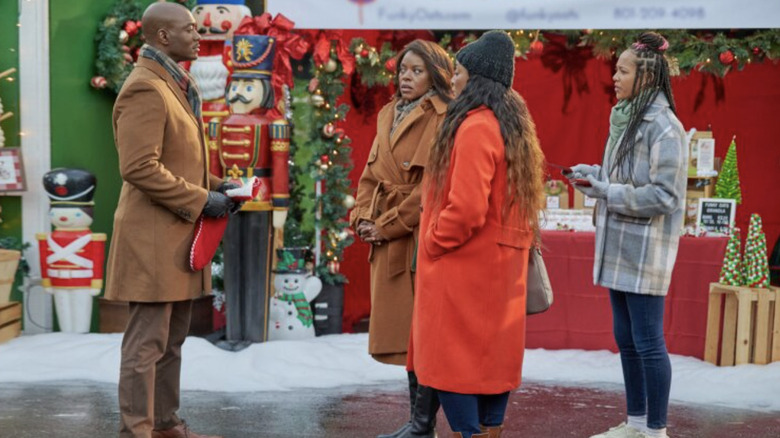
(640, 188)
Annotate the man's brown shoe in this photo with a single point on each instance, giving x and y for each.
(180, 431)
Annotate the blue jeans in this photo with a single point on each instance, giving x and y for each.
(638, 324)
(465, 412)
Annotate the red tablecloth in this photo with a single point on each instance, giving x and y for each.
(581, 317)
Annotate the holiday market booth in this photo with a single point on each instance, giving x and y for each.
(333, 71)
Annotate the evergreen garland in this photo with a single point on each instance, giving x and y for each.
(118, 40)
(375, 67)
(329, 163)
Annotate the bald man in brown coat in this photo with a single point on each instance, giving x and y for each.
(166, 187)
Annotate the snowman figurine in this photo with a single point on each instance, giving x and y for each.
(290, 314)
(72, 255)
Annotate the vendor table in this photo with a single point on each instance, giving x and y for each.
(581, 318)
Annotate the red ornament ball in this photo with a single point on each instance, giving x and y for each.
(131, 27)
(536, 48)
(328, 130)
(726, 57)
(390, 65)
(324, 159)
(98, 82)
(364, 53)
(757, 51)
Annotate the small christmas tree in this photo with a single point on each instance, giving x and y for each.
(731, 273)
(728, 181)
(755, 268)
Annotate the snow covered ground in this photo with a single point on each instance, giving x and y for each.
(340, 360)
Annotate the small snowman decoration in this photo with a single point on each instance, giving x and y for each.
(290, 314)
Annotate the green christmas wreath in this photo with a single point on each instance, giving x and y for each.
(118, 40)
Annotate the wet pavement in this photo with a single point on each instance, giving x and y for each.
(89, 410)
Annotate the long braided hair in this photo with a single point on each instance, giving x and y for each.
(524, 157)
(652, 77)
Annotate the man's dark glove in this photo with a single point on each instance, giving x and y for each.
(225, 186)
(235, 207)
(217, 205)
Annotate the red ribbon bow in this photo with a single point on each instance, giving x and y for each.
(323, 40)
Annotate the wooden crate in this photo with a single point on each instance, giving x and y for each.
(748, 329)
(113, 316)
(10, 321)
(9, 260)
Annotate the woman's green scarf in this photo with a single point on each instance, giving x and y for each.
(618, 120)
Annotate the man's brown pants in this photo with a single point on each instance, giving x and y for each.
(151, 367)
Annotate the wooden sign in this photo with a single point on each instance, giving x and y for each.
(715, 215)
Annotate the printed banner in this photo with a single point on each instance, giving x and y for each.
(538, 14)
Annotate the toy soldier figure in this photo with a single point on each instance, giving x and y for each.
(250, 144)
(216, 22)
(72, 255)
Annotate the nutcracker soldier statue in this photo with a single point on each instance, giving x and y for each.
(72, 255)
(216, 22)
(251, 144)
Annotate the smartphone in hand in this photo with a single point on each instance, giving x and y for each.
(564, 170)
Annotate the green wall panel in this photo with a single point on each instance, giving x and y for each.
(11, 214)
(81, 132)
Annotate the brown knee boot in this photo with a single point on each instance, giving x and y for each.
(478, 435)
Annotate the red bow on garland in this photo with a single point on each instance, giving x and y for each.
(322, 45)
(560, 54)
(288, 45)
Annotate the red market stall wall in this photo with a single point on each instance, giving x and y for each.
(570, 95)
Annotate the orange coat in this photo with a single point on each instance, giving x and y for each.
(164, 168)
(388, 194)
(469, 309)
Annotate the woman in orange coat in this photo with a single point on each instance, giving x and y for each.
(387, 212)
(481, 201)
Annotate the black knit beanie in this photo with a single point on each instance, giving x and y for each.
(491, 56)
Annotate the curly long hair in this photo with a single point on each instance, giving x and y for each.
(437, 63)
(524, 157)
(652, 77)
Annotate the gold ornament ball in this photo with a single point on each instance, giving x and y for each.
(331, 66)
(323, 167)
(349, 201)
(123, 36)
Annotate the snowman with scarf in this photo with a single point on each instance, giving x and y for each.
(290, 314)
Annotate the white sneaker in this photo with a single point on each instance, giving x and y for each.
(622, 430)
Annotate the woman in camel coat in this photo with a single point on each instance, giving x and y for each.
(387, 210)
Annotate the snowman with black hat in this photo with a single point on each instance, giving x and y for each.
(72, 255)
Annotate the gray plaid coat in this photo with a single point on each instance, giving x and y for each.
(638, 225)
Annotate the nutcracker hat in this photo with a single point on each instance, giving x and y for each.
(292, 260)
(70, 187)
(222, 2)
(252, 56)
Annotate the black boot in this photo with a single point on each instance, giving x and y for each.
(404, 430)
(424, 416)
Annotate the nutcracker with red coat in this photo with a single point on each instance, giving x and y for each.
(252, 144)
(216, 21)
(72, 255)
